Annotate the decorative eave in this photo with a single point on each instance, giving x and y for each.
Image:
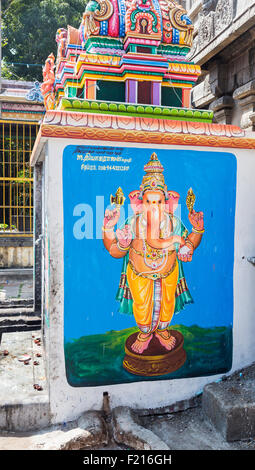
(132, 39)
(109, 128)
(19, 108)
(132, 36)
(188, 68)
(103, 42)
(132, 65)
(126, 109)
(18, 99)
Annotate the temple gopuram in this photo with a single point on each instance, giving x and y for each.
(127, 57)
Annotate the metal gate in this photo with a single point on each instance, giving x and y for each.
(16, 178)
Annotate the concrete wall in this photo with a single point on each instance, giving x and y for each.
(69, 402)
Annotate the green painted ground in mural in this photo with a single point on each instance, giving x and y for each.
(97, 359)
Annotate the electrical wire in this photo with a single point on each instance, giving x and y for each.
(22, 63)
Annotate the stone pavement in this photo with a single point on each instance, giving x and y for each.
(24, 400)
(15, 285)
(24, 412)
(191, 430)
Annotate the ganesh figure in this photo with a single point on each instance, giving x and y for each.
(154, 243)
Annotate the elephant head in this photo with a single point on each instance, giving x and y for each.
(136, 201)
(171, 201)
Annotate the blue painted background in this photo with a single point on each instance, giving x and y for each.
(91, 275)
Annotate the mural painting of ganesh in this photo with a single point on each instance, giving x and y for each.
(154, 244)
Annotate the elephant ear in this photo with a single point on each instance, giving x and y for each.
(172, 202)
(136, 203)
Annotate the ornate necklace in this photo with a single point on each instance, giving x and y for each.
(158, 256)
(153, 253)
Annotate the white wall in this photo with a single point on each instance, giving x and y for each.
(68, 402)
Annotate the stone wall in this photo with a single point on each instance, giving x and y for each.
(16, 253)
(224, 45)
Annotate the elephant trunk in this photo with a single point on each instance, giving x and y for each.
(154, 219)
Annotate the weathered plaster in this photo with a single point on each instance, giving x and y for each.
(16, 256)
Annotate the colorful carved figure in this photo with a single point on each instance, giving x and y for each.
(142, 18)
(35, 93)
(96, 12)
(177, 27)
(47, 88)
(154, 243)
(61, 40)
(163, 19)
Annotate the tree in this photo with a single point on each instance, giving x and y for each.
(28, 33)
(6, 4)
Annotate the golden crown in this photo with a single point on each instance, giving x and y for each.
(154, 179)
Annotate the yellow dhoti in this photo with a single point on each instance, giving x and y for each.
(153, 300)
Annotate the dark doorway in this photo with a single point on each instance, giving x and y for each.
(144, 92)
(144, 50)
(111, 91)
(171, 96)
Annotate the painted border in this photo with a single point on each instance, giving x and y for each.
(112, 128)
(141, 136)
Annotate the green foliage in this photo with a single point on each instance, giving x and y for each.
(6, 72)
(6, 4)
(3, 226)
(29, 30)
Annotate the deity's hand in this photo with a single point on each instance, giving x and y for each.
(197, 220)
(124, 236)
(111, 218)
(185, 253)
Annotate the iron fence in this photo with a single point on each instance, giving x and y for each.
(16, 178)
